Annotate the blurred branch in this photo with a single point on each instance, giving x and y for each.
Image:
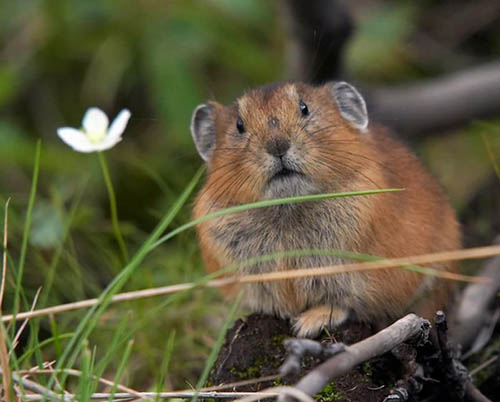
(318, 30)
(439, 103)
(472, 314)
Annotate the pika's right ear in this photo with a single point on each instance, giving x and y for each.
(203, 130)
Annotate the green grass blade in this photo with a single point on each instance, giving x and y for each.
(169, 347)
(46, 342)
(27, 226)
(215, 350)
(85, 380)
(89, 321)
(121, 368)
(119, 337)
(268, 203)
(112, 207)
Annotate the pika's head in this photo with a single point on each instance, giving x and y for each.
(280, 140)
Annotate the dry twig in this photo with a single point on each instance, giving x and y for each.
(4, 356)
(25, 322)
(471, 253)
(297, 348)
(159, 395)
(78, 373)
(5, 243)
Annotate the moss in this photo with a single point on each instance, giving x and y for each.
(330, 393)
(253, 371)
(278, 340)
(277, 382)
(366, 369)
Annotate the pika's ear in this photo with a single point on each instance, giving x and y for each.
(203, 130)
(351, 104)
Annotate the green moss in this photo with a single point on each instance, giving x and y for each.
(253, 371)
(330, 393)
(278, 340)
(367, 369)
(277, 382)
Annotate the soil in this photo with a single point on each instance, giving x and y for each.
(254, 348)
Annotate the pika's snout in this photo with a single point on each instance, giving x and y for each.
(277, 146)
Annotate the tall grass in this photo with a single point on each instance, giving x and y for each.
(76, 349)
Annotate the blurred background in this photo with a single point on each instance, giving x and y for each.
(160, 59)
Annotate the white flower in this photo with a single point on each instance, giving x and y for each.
(95, 135)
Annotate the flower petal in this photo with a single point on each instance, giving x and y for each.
(106, 144)
(118, 126)
(76, 139)
(95, 121)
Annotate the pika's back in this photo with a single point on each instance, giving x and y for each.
(293, 139)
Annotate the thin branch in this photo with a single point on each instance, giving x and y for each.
(4, 360)
(37, 388)
(297, 348)
(404, 329)
(279, 391)
(484, 365)
(23, 325)
(78, 373)
(4, 355)
(471, 253)
(158, 395)
(242, 383)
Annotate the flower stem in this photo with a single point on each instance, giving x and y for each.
(112, 206)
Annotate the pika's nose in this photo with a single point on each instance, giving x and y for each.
(277, 146)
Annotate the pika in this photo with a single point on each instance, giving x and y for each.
(292, 139)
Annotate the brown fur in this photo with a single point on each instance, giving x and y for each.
(333, 156)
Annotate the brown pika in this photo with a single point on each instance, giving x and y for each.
(291, 139)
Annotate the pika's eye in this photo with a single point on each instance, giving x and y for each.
(240, 125)
(303, 108)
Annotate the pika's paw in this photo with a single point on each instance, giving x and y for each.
(310, 323)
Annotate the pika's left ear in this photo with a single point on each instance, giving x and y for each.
(352, 106)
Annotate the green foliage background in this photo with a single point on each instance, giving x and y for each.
(159, 59)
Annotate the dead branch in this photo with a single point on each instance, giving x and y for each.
(407, 328)
(319, 32)
(298, 348)
(440, 103)
(454, 372)
(472, 314)
(456, 376)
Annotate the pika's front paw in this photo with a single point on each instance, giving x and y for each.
(310, 323)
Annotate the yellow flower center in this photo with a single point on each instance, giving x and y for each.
(96, 137)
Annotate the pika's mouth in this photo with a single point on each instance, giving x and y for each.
(284, 173)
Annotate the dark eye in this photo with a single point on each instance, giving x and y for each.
(303, 108)
(240, 125)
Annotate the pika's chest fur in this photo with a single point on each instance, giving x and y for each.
(324, 225)
(318, 227)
